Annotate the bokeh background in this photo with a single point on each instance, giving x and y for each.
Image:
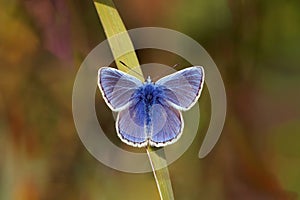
(254, 43)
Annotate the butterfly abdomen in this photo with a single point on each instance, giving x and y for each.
(150, 95)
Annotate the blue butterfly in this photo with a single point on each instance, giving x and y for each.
(150, 113)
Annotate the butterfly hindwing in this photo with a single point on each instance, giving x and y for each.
(167, 124)
(117, 87)
(183, 88)
(130, 124)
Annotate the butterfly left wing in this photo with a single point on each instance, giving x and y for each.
(167, 124)
(183, 88)
(116, 87)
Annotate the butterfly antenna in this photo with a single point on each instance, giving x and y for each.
(141, 75)
(167, 71)
(175, 65)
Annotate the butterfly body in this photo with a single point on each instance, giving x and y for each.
(149, 113)
(146, 97)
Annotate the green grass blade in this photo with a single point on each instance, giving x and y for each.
(112, 24)
(162, 177)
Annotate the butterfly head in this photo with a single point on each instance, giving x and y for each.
(148, 80)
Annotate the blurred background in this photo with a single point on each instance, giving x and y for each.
(254, 43)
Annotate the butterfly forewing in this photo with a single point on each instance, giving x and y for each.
(183, 88)
(116, 87)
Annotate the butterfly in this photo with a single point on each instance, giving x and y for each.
(149, 113)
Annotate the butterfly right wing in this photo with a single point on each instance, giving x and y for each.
(117, 87)
(118, 90)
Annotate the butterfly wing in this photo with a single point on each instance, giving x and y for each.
(167, 124)
(130, 124)
(183, 88)
(116, 87)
